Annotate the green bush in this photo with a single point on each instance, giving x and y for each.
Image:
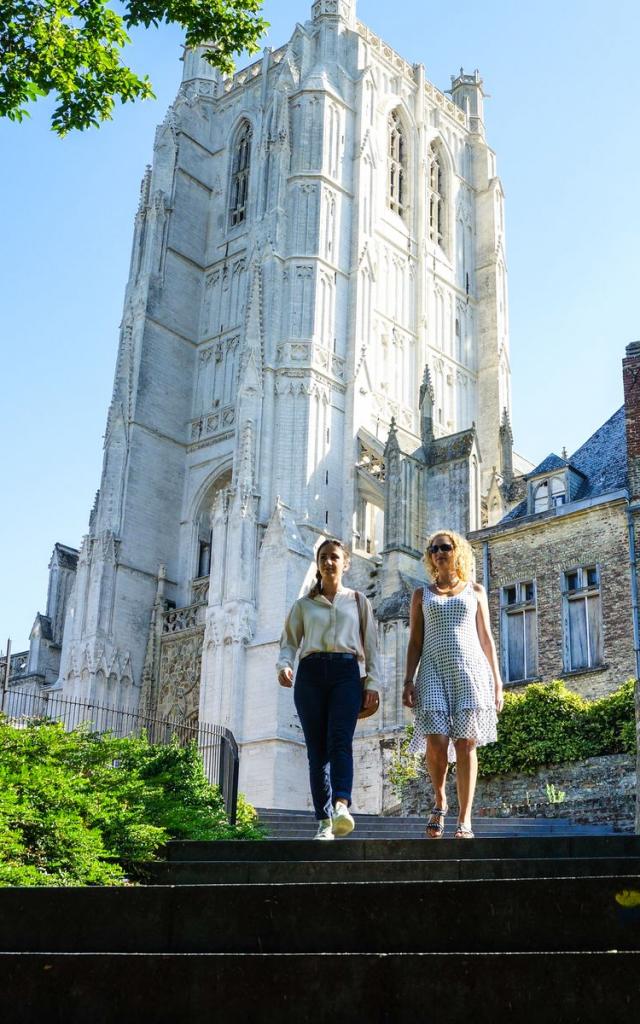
(72, 805)
(548, 724)
(545, 724)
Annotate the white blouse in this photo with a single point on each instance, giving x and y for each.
(316, 624)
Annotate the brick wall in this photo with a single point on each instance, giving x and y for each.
(631, 382)
(542, 551)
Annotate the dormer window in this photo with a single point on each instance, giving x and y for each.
(549, 494)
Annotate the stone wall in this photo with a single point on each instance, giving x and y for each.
(597, 790)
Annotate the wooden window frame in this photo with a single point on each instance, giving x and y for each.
(582, 594)
(510, 611)
(552, 499)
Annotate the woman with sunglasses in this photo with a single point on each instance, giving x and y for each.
(458, 690)
(335, 632)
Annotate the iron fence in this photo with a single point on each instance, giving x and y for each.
(216, 744)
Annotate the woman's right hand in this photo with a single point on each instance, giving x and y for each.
(285, 677)
(409, 695)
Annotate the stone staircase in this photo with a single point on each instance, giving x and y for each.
(528, 927)
(286, 824)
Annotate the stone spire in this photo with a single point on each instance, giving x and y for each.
(340, 10)
(468, 94)
(392, 490)
(196, 66)
(427, 398)
(506, 448)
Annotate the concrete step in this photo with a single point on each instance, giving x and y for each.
(531, 988)
(470, 916)
(481, 833)
(263, 872)
(282, 824)
(534, 846)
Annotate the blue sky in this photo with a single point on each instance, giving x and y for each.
(563, 120)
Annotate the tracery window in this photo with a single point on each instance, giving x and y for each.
(397, 165)
(240, 175)
(436, 197)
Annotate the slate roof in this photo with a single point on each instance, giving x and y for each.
(602, 460)
(548, 465)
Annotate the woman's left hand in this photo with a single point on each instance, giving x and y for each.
(499, 698)
(369, 698)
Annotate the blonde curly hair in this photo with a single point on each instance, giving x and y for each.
(463, 554)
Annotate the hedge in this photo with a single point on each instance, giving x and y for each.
(74, 804)
(545, 724)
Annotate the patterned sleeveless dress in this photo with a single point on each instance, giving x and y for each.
(455, 686)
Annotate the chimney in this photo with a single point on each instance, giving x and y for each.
(631, 381)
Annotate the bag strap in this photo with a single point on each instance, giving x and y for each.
(358, 597)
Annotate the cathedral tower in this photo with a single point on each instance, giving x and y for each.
(313, 233)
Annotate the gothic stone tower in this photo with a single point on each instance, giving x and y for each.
(317, 236)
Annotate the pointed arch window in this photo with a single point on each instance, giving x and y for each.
(396, 186)
(436, 197)
(240, 175)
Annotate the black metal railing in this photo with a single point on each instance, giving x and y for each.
(217, 745)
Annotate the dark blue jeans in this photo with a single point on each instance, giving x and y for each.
(328, 696)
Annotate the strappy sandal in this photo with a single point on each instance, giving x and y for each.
(462, 832)
(435, 824)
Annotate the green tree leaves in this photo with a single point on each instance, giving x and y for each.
(73, 49)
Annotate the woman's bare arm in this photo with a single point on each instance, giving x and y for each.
(414, 648)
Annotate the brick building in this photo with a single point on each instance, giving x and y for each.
(560, 567)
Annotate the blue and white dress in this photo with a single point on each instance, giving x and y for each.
(455, 687)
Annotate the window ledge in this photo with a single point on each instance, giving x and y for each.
(522, 682)
(583, 671)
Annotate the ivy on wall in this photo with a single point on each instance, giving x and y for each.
(546, 724)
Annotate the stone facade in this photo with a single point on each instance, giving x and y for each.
(571, 543)
(314, 339)
(542, 552)
(600, 790)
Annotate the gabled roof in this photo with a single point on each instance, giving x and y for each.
(548, 465)
(601, 460)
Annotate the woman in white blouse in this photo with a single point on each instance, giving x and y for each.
(336, 636)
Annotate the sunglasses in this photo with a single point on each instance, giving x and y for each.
(433, 550)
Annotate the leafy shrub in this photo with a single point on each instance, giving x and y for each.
(73, 804)
(546, 724)
(549, 724)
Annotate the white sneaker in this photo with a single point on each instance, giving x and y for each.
(324, 830)
(342, 822)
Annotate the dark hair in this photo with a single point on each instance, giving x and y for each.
(317, 586)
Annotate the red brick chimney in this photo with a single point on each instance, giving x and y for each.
(631, 381)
